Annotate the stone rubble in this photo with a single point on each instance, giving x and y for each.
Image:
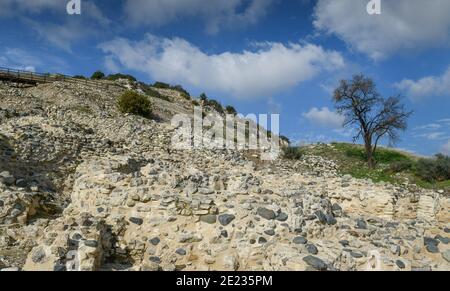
(83, 187)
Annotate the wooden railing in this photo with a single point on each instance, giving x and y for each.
(33, 78)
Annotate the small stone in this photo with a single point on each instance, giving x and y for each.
(331, 220)
(38, 255)
(224, 233)
(300, 240)
(315, 263)
(430, 241)
(432, 249)
(136, 220)
(361, 224)
(262, 240)
(226, 219)
(266, 213)
(356, 255)
(270, 232)
(312, 249)
(336, 209)
(321, 216)
(444, 240)
(155, 241)
(181, 252)
(447, 230)
(282, 217)
(210, 218)
(155, 259)
(400, 264)
(344, 243)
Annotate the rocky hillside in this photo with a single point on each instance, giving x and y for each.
(85, 187)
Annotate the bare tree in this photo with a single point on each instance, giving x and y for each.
(373, 116)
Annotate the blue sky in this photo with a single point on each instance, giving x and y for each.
(262, 56)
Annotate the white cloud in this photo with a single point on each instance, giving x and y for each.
(426, 87)
(19, 59)
(402, 25)
(270, 68)
(438, 135)
(325, 117)
(446, 148)
(217, 14)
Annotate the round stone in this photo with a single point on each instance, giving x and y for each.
(300, 240)
(282, 217)
(266, 213)
(181, 252)
(155, 241)
(136, 220)
(270, 232)
(315, 263)
(312, 249)
(226, 219)
(400, 264)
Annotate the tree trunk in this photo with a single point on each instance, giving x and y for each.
(369, 153)
(370, 160)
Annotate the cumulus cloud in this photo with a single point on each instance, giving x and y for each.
(216, 14)
(427, 86)
(435, 131)
(402, 25)
(19, 59)
(269, 68)
(325, 117)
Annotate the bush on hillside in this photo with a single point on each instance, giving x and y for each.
(134, 103)
(115, 77)
(292, 153)
(98, 75)
(214, 105)
(79, 77)
(161, 85)
(434, 170)
(401, 166)
(230, 110)
(203, 97)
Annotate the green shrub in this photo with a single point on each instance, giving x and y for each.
(434, 170)
(292, 153)
(183, 92)
(161, 85)
(230, 110)
(195, 103)
(215, 105)
(203, 97)
(98, 76)
(79, 77)
(115, 77)
(134, 103)
(285, 138)
(401, 166)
